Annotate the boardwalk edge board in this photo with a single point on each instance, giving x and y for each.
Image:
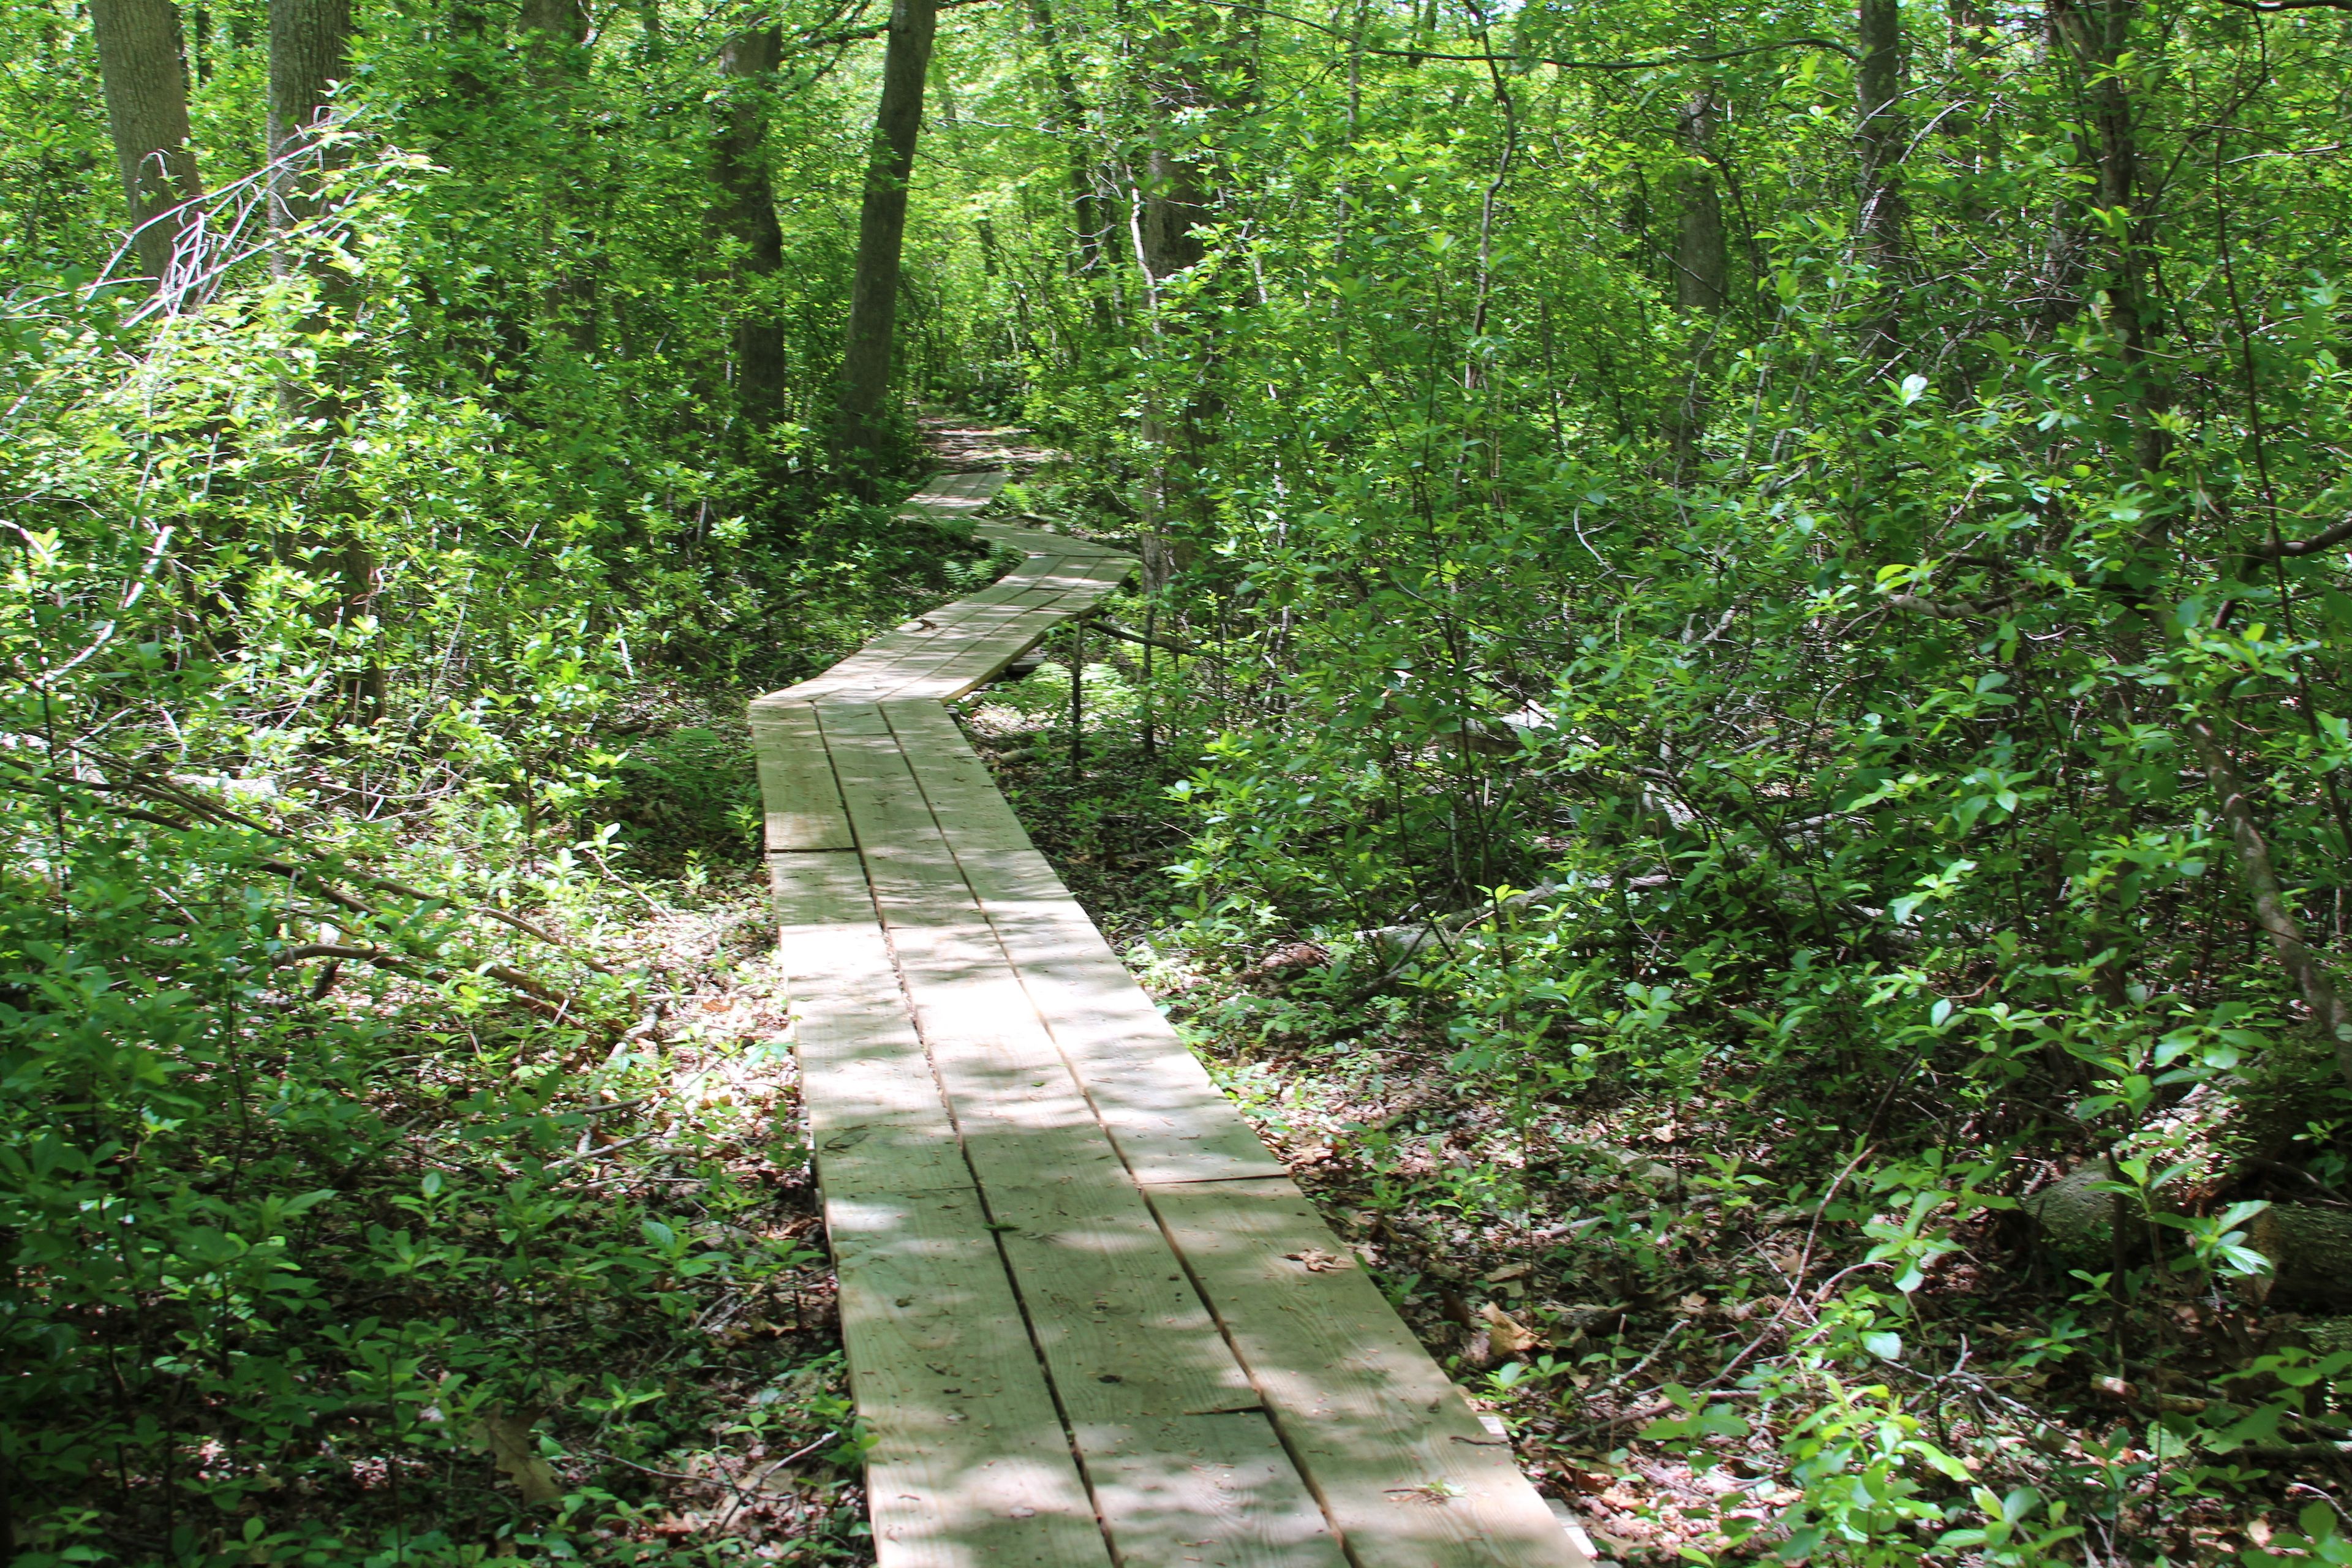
(1078, 1328)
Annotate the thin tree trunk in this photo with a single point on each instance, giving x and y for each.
(1069, 120)
(1881, 133)
(2098, 33)
(555, 39)
(1702, 257)
(146, 83)
(1171, 203)
(747, 214)
(552, 30)
(1702, 265)
(862, 428)
(310, 54)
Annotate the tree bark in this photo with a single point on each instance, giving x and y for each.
(552, 30)
(555, 60)
(146, 83)
(747, 214)
(1702, 265)
(1069, 118)
(862, 428)
(1880, 132)
(1171, 201)
(309, 52)
(1702, 258)
(2098, 35)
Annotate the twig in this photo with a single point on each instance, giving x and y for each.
(1113, 629)
(1639, 1367)
(600, 1152)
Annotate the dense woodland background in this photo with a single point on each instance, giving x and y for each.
(1744, 762)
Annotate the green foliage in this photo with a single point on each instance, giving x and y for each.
(356, 1203)
(1794, 704)
(1791, 708)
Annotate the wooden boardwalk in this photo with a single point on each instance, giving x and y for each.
(1089, 1319)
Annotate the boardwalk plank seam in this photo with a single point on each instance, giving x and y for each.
(1075, 1321)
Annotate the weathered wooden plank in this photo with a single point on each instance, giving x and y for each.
(1407, 1473)
(970, 1467)
(801, 805)
(1151, 1390)
(1183, 1461)
(1184, 1464)
(1168, 1122)
(973, 814)
(877, 1119)
(972, 1464)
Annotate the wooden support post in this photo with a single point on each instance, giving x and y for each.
(1150, 622)
(1078, 701)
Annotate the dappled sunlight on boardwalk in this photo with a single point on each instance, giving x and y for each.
(1088, 1316)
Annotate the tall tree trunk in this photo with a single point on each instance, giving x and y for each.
(309, 52)
(1068, 121)
(1702, 257)
(747, 214)
(1702, 264)
(554, 37)
(1174, 183)
(1881, 130)
(1171, 201)
(2098, 34)
(146, 83)
(552, 31)
(862, 428)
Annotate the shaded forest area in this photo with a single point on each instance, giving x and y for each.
(1734, 736)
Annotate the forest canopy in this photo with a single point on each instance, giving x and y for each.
(1733, 734)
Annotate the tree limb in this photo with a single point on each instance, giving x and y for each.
(1110, 628)
(2341, 531)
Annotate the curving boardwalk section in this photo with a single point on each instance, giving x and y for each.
(1089, 1319)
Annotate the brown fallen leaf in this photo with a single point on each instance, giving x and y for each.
(508, 1435)
(1506, 1333)
(1508, 1271)
(1318, 1261)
